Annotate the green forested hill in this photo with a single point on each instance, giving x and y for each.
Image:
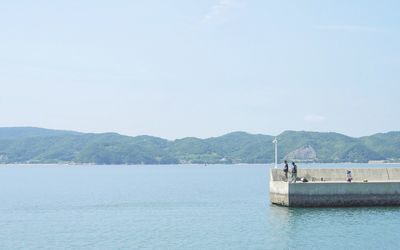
(14, 133)
(36, 145)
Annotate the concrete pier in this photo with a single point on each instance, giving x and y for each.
(328, 188)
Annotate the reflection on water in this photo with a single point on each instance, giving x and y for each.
(344, 228)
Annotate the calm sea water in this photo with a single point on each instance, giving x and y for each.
(173, 207)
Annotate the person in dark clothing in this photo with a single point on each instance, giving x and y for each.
(294, 172)
(349, 178)
(286, 170)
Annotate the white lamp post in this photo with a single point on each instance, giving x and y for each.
(276, 152)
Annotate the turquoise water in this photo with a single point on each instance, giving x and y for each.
(173, 207)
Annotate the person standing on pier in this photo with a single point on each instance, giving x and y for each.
(294, 172)
(349, 178)
(286, 170)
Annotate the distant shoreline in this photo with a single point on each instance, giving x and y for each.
(42, 146)
(193, 164)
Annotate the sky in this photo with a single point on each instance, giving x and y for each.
(184, 68)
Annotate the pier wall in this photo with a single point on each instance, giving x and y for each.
(278, 192)
(382, 188)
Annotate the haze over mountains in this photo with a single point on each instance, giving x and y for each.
(38, 145)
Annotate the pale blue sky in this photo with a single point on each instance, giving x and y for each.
(201, 68)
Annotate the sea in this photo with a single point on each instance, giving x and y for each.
(175, 207)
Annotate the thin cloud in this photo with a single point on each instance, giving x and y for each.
(347, 28)
(314, 118)
(218, 10)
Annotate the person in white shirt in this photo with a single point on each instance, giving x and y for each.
(294, 172)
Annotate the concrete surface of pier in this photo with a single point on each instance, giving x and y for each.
(328, 188)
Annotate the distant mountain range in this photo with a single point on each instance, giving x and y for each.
(38, 145)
